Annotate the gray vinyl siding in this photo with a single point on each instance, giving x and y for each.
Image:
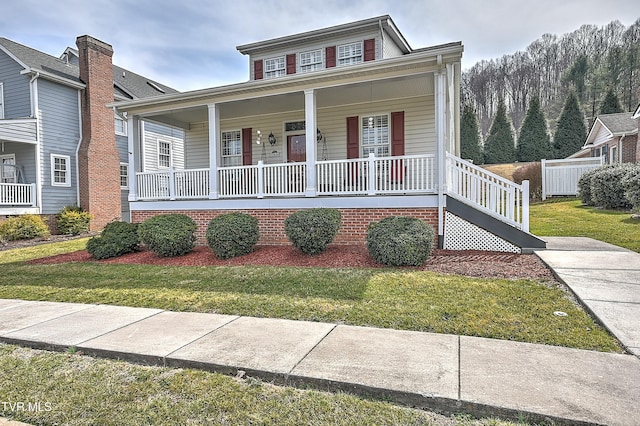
(154, 132)
(17, 96)
(60, 133)
(390, 48)
(25, 158)
(197, 146)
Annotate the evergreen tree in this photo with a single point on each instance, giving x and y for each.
(499, 146)
(470, 136)
(571, 132)
(610, 103)
(534, 142)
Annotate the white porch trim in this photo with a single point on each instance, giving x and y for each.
(135, 152)
(214, 132)
(310, 135)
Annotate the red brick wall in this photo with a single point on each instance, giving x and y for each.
(98, 160)
(629, 149)
(353, 229)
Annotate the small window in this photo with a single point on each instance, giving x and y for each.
(124, 176)
(613, 158)
(274, 67)
(164, 154)
(375, 135)
(231, 148)
(60, 170)
(121, 126)
(311, 61)
(349, 54)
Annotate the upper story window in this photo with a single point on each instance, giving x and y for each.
(375, 135)
(231, 148)
(164, 154)
(60, 170)
(121, 126)
(311, 61)
(275, 67)
(349, 54)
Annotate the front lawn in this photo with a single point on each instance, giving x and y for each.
(521, 310)
(569, 218)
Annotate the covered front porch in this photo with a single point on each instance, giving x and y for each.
(18, 159)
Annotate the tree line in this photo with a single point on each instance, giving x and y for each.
(549, 94)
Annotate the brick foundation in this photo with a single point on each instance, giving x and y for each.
(353, 229)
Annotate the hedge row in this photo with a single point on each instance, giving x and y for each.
(611, 187)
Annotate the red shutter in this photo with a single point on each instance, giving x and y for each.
(330, 56)
(247, 134)
(257, 70)
(353, 139)
(291, 63)
(370, 50)
(397, 145)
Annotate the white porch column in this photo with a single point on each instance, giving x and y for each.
(439, 79)
(134, 150)
(451, 104)
(311, 127)
(214, 132)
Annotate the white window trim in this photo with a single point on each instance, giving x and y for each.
(362, 126)
(126, 176)
(1, 100)
(315, 66)
(67, 181)
(222, 156)
(351, 57)
(2, 168)
(275, 72)
(124, 126)
(159, 141)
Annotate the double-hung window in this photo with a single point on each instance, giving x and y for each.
(164, 154)
(231, 148)
(121, 126)
(60, 170)
(350, 53)
(124, 176)
(274, 67)
(311, 61)
(375, 135)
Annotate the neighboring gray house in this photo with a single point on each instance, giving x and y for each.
(50, 120)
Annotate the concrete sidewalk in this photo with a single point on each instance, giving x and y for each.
(442, 372)
(605, 278)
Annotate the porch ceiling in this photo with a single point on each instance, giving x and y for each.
(346, 94)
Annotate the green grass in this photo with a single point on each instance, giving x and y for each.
(73, 389)
(569, 218)
(42, 250)
(519, 310)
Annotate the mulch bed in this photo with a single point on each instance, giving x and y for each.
(470, 263)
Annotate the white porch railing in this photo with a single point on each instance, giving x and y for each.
(18, 194)
(262, 180)
(489, 192)
(560, 177)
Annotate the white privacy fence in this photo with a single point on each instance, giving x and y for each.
(18, 194)
(560, 177)
(489, 192)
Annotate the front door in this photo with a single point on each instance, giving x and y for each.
(7, 168)
(297, 149)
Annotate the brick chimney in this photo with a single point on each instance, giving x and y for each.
(98, 160)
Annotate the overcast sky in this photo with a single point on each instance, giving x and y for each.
(190, 44)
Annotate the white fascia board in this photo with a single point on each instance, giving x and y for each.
(52, 77)
(14, 57)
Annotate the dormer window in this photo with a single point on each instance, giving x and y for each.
(349, 54)
(311, 61)
(274, 67)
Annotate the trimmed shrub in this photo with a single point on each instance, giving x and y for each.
(310, 231)
(233, 234)
(584, 186)
(607, 190)
(116, 239)
(168, 235)
(400, 241)
(24, 227)
(73, 221)
(533, 173)
(631, 185)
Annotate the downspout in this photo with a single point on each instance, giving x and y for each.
(78, 149)
(33, 86)
(620, 148)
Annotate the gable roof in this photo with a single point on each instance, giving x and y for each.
(619, 124)
(127, 85)
(380, 22)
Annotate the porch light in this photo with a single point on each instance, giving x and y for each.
(272, 139)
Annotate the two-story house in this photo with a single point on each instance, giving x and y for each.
(349, 117)
(59, 142)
